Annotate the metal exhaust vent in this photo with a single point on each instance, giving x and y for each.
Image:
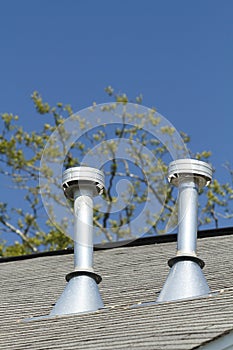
(186, 279)
(81, 294)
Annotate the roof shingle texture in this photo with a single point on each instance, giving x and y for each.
(132, 279)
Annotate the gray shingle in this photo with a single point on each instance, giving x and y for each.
(131, 276)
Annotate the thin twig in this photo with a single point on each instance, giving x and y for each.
(19, 233)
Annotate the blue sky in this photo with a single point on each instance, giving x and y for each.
(178, 54)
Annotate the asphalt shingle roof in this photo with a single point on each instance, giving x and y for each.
(132, 278)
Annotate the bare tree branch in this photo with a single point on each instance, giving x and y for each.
(19, 233)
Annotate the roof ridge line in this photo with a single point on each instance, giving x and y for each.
(159, 239)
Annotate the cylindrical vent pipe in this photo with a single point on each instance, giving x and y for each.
(81, 294)
(186, 279)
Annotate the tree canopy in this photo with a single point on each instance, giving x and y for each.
(132, 172)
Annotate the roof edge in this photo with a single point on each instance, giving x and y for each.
(159, 239)
(223, 341)
(167, 238)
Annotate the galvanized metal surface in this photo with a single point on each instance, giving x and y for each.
(81, 175)
(81, 294)
(187, 218)
(83, 228)
(186, 279)
(184, 168)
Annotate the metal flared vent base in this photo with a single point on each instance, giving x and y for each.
(80, 295)
(185, 280)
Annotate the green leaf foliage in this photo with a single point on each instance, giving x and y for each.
(20, 155)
